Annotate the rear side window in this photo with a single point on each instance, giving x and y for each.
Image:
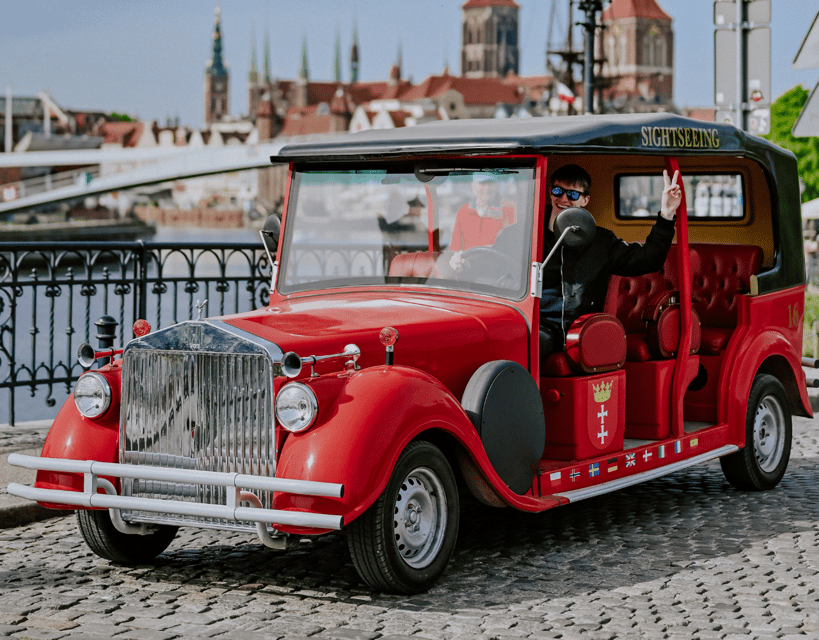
(712, 196)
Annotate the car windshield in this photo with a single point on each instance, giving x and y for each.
(464, 227)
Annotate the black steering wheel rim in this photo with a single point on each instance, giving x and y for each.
(509, 266)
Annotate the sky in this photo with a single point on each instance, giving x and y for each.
(146, 58)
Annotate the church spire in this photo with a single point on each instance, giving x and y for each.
(253, 75)
(217, 81)
(354, 55)
(267, 57)
(337, 75)
(217, 66)
(304, 72)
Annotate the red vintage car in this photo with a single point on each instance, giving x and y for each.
(398, 358)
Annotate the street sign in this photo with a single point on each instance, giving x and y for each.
(758, 70)
(725, 67)
(759, 121)
(807, 124)
(808, 55)
(725, 12)
(758, 84)
(742, 63)
(725, 117)
(759, 11)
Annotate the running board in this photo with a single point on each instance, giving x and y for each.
(621, 483)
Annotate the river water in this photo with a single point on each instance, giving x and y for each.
(28, 407)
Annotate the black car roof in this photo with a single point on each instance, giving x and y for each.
(655, 133)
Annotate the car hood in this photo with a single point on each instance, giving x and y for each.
(447, 336)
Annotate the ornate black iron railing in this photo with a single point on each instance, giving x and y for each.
(52, 293)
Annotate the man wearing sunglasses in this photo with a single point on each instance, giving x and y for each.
(575, 280)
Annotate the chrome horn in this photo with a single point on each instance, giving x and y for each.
(291, 363)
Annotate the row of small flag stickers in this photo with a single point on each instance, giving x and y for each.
(612, 464)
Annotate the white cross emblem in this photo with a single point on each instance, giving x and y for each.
(646, 455)
(602, 414)
(602, 435)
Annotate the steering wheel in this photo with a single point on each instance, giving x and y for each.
(487, 261)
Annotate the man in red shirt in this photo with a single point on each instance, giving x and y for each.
(478, 224)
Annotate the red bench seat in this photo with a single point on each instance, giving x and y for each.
(719, 272)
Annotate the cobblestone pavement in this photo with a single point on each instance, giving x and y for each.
(685, 556)
(29, 435)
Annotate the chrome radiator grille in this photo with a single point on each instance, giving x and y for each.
(196, 410)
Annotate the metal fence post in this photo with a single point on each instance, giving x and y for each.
(141, 286)
(106, 334)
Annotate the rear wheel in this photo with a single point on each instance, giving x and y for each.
(763, 461)
(403, 542)
(107, 542)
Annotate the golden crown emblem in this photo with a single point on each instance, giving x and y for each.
(602, 391)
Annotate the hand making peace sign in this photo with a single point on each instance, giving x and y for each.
(672, 196)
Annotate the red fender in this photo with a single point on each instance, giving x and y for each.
(375, 415)
(745, 365)
(74, 437)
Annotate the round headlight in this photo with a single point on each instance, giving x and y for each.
(296, 406)
(92, 395)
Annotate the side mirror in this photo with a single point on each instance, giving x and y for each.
(580, 224)
(270, 233)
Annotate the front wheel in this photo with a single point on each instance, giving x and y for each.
(111, 544)
(762, 463)
(403, 542)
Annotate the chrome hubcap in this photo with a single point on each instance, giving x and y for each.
(420, 518)
(769, 433)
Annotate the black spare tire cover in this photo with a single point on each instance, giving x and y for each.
(504, 404)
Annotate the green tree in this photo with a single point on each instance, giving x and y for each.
(120, 117)
(784, 113)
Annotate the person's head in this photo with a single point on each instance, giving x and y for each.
(568, 181)
(485, 188)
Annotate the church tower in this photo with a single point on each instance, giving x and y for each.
(354, 56)
(638, 48)
(254, 88)
(302, 87)
(489, 47)
(216, 78)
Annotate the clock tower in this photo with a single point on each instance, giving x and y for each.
(216, 79)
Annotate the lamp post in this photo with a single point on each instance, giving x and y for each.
(590, 7)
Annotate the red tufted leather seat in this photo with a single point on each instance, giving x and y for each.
(719, 273)
(418, 264)
(595, 343)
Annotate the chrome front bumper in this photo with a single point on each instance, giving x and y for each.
(232, 511)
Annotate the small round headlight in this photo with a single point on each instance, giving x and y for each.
(296, 406)
(92, 395)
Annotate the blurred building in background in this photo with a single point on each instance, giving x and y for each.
(634, 70)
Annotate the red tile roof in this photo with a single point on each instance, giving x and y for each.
(704, 114)
(474, 90)
(528, 81)
(342, 102)
(301, 121)
(399, 117)
(125, 133)
(619, 9)
(474, 4)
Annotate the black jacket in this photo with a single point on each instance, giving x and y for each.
(582, 275)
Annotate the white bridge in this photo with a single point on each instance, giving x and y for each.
(160, 164)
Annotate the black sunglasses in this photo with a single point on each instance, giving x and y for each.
(572, 194)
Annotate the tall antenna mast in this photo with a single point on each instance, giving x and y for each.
(564, 71)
